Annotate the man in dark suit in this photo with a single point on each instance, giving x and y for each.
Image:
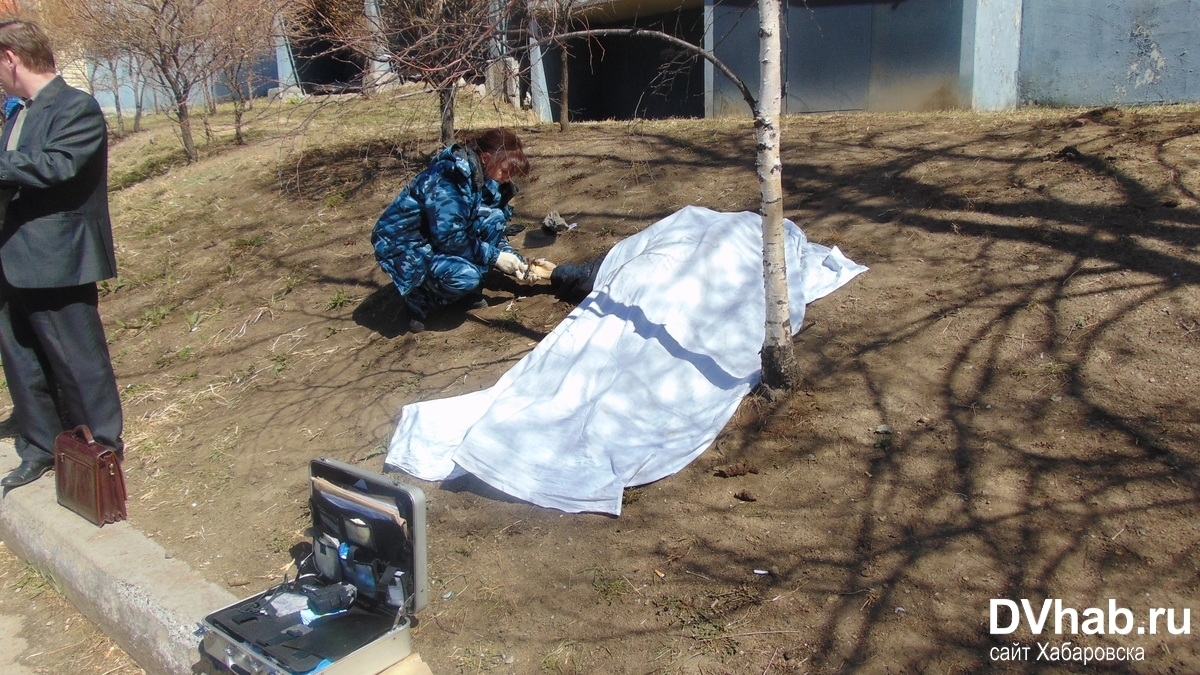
(55, 244)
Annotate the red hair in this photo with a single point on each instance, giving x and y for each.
(504, 147)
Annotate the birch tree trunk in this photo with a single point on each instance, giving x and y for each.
(778, 357)
(779, 365)
(446, 96)
(115, 69)
(137, 80)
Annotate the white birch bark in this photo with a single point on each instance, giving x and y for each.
(778, 357)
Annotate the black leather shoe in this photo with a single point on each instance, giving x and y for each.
(28, 471)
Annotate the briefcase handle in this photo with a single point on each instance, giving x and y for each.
(82, 431)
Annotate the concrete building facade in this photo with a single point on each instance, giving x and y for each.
(876, 55)
(886, 55)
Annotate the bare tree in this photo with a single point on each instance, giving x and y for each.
(137, 82)
(564, 88)
(182, 43)
(438, 42)
(563, 16)
(248, 44)
(73, 42)
(778, 355)
(112, 63)
(163, 32)
(442, 42)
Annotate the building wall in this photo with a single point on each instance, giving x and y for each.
(979, 54)
(284, 65)
(1076, 53)
(992, 48)
(101, 79)
(915, 55)
(732, 36)
(847, 55)
(827, 58)
(622, 77)
(75, 73)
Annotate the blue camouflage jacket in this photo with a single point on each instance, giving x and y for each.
(450, 209)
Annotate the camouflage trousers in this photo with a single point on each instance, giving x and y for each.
(449, 279)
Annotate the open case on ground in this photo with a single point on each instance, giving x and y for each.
(350, 609)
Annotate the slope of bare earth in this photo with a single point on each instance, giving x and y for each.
(1002, 408)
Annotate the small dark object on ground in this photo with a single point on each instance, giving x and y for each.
(745, 496)
(1068, 152)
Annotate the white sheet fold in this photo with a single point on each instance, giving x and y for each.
(637, 381)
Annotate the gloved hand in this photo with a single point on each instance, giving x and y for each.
(512, 265)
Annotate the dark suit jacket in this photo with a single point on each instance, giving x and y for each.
(57, 231)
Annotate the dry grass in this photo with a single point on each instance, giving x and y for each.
(56, 638)
(246, 354)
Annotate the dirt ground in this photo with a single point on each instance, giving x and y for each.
(44, 634)
(1003, 407)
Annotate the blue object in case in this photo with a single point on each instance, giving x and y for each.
(390, 577)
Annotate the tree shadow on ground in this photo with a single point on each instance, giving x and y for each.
(1028, 318)
(1032, 302)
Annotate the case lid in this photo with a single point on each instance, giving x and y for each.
(381, 517)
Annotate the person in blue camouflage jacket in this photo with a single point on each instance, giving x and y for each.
(446, 229)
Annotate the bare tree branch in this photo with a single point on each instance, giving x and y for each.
(659, 35)
(184, 44)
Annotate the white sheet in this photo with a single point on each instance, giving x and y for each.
(637, 381)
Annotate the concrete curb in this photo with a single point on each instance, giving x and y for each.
(124, 582)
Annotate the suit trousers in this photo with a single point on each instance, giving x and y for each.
(58, 367)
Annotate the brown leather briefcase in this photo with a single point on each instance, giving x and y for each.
(88, 477)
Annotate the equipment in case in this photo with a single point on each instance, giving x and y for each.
(349, 610)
